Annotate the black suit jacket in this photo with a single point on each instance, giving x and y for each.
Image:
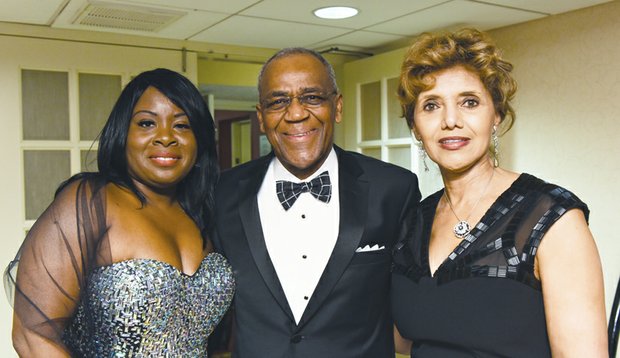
(348, 314)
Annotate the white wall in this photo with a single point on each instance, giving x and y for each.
(17, 53)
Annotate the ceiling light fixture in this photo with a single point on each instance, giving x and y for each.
(335, 12)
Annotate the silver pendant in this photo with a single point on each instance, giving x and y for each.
(461, 229)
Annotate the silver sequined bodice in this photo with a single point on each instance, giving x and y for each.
(148, 308)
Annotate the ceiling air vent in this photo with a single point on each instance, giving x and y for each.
(125, 17)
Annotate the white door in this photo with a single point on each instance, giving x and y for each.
(55, 97)
(373, 122)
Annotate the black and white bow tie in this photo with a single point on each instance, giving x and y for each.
(288, 192)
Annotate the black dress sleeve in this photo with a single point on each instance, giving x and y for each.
(46, 277)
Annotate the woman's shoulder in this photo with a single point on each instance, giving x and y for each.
(92, 194)
(547, 193)
(531, 183)
(80, 188)
(92, 186)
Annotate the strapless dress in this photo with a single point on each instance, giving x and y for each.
(148, 308)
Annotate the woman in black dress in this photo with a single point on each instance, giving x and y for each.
(526, 280)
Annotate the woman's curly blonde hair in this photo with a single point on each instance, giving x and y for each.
(469, 48)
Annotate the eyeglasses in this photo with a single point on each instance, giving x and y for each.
(307, 100)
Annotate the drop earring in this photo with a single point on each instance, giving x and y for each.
(421, 151)
(495, 141)
(422, 154)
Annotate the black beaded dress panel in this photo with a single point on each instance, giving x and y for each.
(484, 299)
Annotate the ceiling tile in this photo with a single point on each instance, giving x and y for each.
(280, 23)
(191, 24)
(456, 14)
(371, 11)
(186, 26)
(227, 7)
(250, 31)
(358, 40)
(29, 11)
(548, 7)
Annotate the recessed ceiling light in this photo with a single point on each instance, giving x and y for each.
(335, 12)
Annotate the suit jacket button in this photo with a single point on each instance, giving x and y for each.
(297, 338)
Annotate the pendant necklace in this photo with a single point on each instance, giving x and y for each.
(462, 227)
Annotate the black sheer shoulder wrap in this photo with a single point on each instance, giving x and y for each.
(65, 244)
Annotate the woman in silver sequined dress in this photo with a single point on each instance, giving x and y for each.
(120, 263)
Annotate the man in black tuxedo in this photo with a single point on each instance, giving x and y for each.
(311, 260)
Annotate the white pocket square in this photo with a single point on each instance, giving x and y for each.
(369, 248)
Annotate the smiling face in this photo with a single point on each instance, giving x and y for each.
(301, 134)
(455, 119)
(161, 147)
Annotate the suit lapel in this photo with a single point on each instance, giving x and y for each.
(353, 208)
(250, 219)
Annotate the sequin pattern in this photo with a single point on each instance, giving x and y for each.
(148, 308)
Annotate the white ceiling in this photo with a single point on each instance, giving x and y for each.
(284, 23)
(380, 25)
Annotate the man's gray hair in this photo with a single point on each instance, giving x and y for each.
(289, 51)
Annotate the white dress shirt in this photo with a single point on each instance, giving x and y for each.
(301, 239)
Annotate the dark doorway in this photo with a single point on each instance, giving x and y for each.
(238, 137)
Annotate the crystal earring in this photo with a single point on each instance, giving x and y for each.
(495, 141)
(423, 155)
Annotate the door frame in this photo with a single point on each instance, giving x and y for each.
(223, 122)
